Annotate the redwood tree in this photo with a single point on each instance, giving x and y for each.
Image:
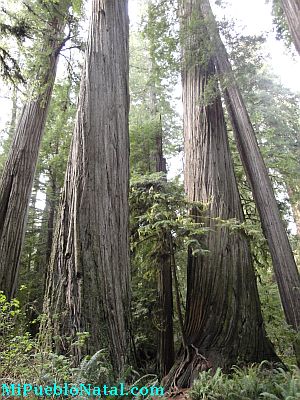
(18, 173)
(286, 272)
(88, 278)
(223, 321)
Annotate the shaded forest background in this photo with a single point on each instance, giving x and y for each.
(110, 268)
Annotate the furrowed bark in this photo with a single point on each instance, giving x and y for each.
(223, 322)
(286, 272)
(291, 9)
(18, 174)
(88, 278)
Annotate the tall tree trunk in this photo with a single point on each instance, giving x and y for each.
(165, 288)
(52, 199)
(88, 278)
(223, 321)
(285, 268)
(165, 295)
(17, 178)
(166, 355)
(291, 9)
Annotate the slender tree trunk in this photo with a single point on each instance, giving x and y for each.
(165, 288)
(88, 277)
(223, 322)
(52, 203)
(17, 178)
(291, 9)
(285, 268)
(165, 293)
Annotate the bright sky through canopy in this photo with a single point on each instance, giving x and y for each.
(254, 17)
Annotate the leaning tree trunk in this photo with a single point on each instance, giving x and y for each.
(291, 9)
(17, 178)
(285, 268)
(223, 321)
(88, 278)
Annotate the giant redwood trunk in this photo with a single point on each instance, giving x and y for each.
(286, 272)
(17, 177)
(291, 9)
(88, 278)
(223, 322)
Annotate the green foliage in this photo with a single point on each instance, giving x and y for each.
(22, 360)
(153, 75)
(15, 343)
(253, 383)
(280, 23)
(14, 29)
(160, 227)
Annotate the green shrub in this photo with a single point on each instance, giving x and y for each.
(253, 383)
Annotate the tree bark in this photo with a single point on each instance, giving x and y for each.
(291, 9)
(223, 322)
(88, 277)
(166, 354)
(286, 272)
(165, 294)
(18, 174)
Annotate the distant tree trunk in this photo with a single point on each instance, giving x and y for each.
(291, 9)
(51, 204)
(88, 277)
(166, 334)
(223, 322)
(165, 292)
(47, 232)
(286, 272)
(18, 174)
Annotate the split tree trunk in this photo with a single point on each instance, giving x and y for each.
(286, 272)
(88, 278)
(291, 9)
(18, 174)
(223, 322)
